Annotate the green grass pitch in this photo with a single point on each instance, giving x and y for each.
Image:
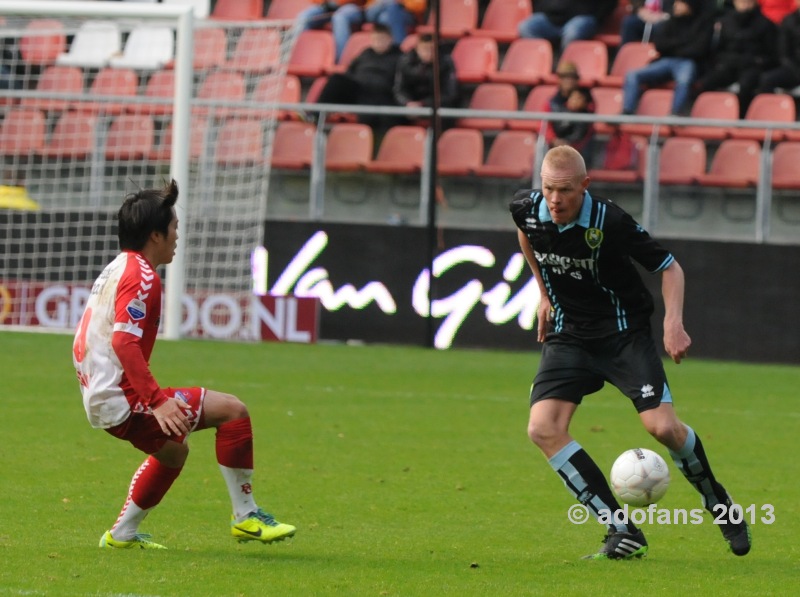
(407, 472)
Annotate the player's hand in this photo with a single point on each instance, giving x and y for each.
(676, 341)
(543, 318)
(172, 417)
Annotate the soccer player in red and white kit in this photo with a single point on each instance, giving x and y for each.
(111, 353)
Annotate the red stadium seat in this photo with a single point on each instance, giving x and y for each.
(631, 56)
(632, 173)
(56, 80)
(501, 19)
(527, 61)
(736, 164)
(74, 136)
(716, 105)
(654, 103)
(609, 32)
(313, 54)
(238, 10)
(775, 107)
(286, 9)
(210, 47)
(785, 162)
(460, 151)
(240, 142)
(607, 101)
(490, 96)
(197, 141)
(22, 132)
(220, 86)
(111, 82)
(267, 91)
(475, 59)
(356, 43)
(130, 137)
(160, 85)
(536, 101)
(683, 161)
(257, 50)
(401, 151)
(591, 58)
(349, 147)
(458, 17)
(293, 146)
(510, 156)
(42, 42)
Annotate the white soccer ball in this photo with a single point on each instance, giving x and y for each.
(640, 477)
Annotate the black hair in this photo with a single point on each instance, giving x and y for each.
(425, 37)
(381, 28)
(145, 212)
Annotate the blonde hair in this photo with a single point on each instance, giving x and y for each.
(564, 157)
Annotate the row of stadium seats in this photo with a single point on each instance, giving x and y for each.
(736, 163)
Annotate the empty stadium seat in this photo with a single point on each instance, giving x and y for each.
(313, 54)
(460, 152)
(56, 80)
(629, 174)
(775, 107)
(43, 41)
(786, 165)
(74, 136)
(591, 58)
(356, 43)
(682, 162)
(147, 47)
(238, 10)
(258, 50)
(130, 137)
(475, 58)
(501, 18)
(536, 101)
(458, 17)
(286, 9)
(527, 61)
(22, 132)
(511, 155)
(240, 142)
(111, 82)
(349, 147)
(401, 151)
(654, 103)
(736, 164)
(607, 101)
(210, 47)
(94, 44)
(269, 90)
(293, 145)
(161, 84)
(711, 105)
(162, 151)
(631, 56)
(490, 96)
(217, 86)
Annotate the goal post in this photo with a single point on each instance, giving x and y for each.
(77, 137)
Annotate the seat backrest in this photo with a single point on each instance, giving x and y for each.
(785, 160)
(240, 141)
(294, 142)
(114, 81)
(349, 146)
(130, 137)
(737, 159)
(22, 132)
(402, 145)
(210, 47)
(147, 47)
(197, 140)
(286, 9)
(591, 58)
(490, 96)
(457, 17)
(474, 58)
(460, 148)
(607, 100)
(94, 44)
(257, 50)
(529, 56)
(772, 107)
(721, 105)
(655, 102)
(356, 43)
(56, 79)
(503, 16)
(73, 136)
(313, 53)
(219, 85)
(513, 149)
(42, 42)
(238, 10)
(631, 56)
(682, 157)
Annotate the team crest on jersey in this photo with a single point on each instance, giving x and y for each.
(594, 237)
(136, 309)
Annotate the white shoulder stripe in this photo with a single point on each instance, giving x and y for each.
(131, 328)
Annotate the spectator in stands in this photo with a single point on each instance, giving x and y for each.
(336, 12)
(681, 43)
(777, 10)
(369, 78)
(746, 47)
(400, 16)
(643, 17)
(786, 75)
(562, 21)
(570, 98)
(413, 83)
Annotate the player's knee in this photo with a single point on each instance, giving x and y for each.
(236, 409)
(542, 434)
(666, 431)
(173, 454)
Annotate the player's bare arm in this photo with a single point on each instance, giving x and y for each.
(543, 315)
(676, 340)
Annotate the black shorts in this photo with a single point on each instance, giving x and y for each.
(573, 367)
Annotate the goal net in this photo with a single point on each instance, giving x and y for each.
(100, 99)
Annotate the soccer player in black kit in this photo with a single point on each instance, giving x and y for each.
(594, 320)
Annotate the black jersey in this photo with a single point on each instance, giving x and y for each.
(586, 266)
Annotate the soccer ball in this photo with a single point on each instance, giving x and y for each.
(640, 477)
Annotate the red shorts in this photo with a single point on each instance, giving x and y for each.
(143, 431)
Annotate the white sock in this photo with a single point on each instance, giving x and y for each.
(128, 522)
(240, 489)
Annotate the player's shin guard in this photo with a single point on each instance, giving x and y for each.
(234, 446)
(149, 485)
(692, 462)
(584, 480)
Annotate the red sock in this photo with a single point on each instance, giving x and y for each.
(151, 483)
(235, 444)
